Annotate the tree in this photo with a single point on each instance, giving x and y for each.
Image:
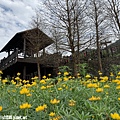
(36, 40)
(113, 9)
(69, 15)
(96, 15)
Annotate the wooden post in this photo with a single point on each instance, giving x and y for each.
(24, 48)
(8, 52)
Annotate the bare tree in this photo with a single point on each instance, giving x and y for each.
(113, 9)
(36, 40)
(70, 15)
(97, 16)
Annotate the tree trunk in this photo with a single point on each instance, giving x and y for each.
(97, 38)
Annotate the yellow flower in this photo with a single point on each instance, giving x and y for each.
(24, 91)
(52, 114)
(99, 90)
(111, 74)
(59, 88)
(66, 73)
(118, 87)
(115, 116)
(17, 78)
(45, 106)
(43, 88)
(1, 72)
(43, 81)
(49, 75)
(29, 94)
(34, 83)
(119, 73)
(56, 118)
(72, 103)
(65, 79)
(106, 86)
(44, 77)
(0, 108)
(100, 73)
(54, 101)
(25, 106)
(118, 98)
(14, 83)
(59, 79)
(28, 85)
(93, 98)
(36, 77)
(59, 73)
(87, 76)
(92, 85)
(41, 108)
(18, 74)
(4, 81)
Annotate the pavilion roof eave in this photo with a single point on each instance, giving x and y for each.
(18, 40)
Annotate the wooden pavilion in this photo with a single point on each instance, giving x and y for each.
(22, 59)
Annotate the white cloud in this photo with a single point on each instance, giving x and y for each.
(15, 16)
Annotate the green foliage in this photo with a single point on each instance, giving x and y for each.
(115, 68)
(63, 69)
(75, 90)
(83, 69)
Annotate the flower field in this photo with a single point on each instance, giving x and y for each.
(61, 98)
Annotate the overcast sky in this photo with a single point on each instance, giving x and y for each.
(15, 16)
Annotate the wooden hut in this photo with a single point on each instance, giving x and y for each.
(21, 58)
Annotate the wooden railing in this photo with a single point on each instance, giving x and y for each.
(6, 62)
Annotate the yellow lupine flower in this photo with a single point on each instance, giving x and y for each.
(99, 90)
(41, 108)
(52, 114)
(118, 98)
(54, 101)
(24, 91)
(1, 108)
(4, 81)
(25, 106)
(72, 103)
(36, 77)
(42, 81)
(66, 73)
(59, 79)
(59, 88)
(49, 75)
(29, 94)
(34, 83)
(119, 73)
(87, 76)
(59, 73)
(93, 98)
(106, 86)
(115, 116)
(18, 74)
(92, 85)
(42, 87)
(17, 78)
(66, 79)
(118, 87)
(100, 73)
(111, 74)
(44, 77)
(27, 85)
